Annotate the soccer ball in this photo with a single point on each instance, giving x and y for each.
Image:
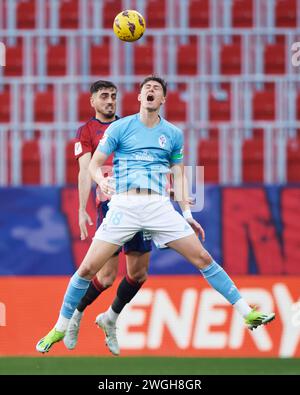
(129, 25)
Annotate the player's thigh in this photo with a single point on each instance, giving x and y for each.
(192, 249)
(98, 253)
(108, 272)
(137, 265)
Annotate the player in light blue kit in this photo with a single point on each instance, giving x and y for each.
(147, 148)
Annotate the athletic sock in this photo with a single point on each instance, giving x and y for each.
(76, 289)
(94, 290)
(221, 282)
(242, 307)
(127, 289)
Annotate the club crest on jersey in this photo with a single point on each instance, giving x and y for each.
(162, 140)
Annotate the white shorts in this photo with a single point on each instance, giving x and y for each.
(129, 214)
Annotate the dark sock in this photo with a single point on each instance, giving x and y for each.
(94, 290)
(127, 289)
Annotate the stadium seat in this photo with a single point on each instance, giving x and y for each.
(264, 105)
(298, 106)
(175, 107)
(25, 14)
(71, 164)
(286, 13)
(85, 111)
(44, 106)
(100, 59)
(293, 159)
(219, 110)
(69, 14)
(155, 13)
(208, 156)
(130, 104)
(143, 59)
(5, 106)
(274, 58)
(187, 59)
(231, 59)
(14, 60)
(31, 162)
(110, 9)
(56, 59)
(242, 13)
(253, 158)
(199, 13)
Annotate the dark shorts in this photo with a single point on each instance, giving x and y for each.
(141, 242)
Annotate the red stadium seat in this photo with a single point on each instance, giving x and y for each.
(110, 9)
(69, 14)
(155, 13)
(187, 59)
(85, 111)
(264, 105)
(130, 104)
(56, 59)
(14, 60)
(71, 164)
(175, 107)
(208, 156)
(5, 106)
(143, 59)
(298, 107)
(253, 158)
(219, 110)
(31, 162)
(231, 59)
(274, 58)
(100, 59)
(242, 13)
(25, 13)
(286, 13)
(44, 106)
(199, 13)
(293, 159)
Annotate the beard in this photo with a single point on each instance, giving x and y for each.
(108, 114)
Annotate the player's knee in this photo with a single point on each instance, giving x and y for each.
(202, 259)
(139, 276)
(86, 271)
(107, 280)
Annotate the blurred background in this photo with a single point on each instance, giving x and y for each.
(234, 89)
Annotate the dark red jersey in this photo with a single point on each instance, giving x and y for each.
(87, 140)
(88, 137)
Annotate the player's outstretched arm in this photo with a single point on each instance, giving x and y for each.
(96, 173)
(181, 195)
(84, 189)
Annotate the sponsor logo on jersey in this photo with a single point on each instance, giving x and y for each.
(77, 148)
(104, 138)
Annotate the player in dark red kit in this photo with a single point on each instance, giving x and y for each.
(103, 100)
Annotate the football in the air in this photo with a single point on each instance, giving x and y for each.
(129, 25)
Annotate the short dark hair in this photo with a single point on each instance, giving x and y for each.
(161, 81)
(101, 84)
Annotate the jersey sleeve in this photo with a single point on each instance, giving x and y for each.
(177, 152)
(110, 140)
(83, 142)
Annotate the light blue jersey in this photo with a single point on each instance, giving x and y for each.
(143, 155)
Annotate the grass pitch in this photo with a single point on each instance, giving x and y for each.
(147, 366)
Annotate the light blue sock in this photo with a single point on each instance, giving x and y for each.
(76, 289)
(221, 282)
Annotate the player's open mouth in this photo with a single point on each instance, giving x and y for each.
(150, 97)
